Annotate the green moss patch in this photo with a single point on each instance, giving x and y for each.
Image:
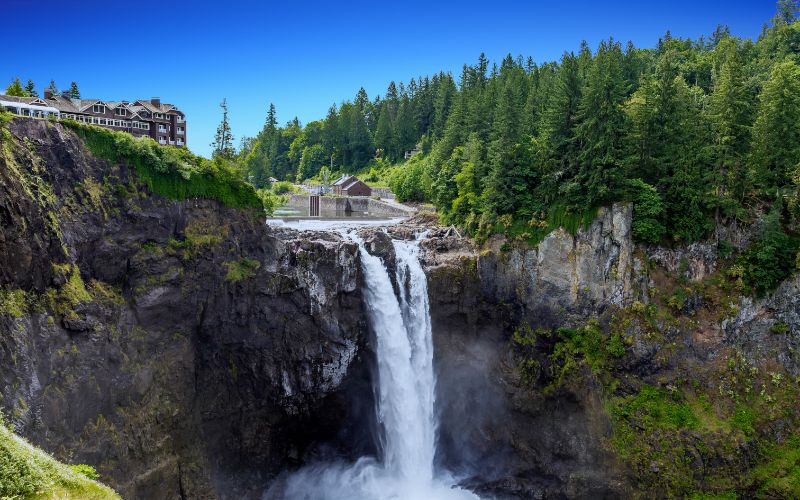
(241, 269)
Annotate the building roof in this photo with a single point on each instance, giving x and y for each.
(26, 102)
(13, 98)
(342, 180)
(161, 108)
(352, 181)
(65, 104)
(69, 105)
(351, 184)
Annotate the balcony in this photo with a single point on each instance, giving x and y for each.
(180, 132)
(181, 120)
(171, 142)
(163, 142)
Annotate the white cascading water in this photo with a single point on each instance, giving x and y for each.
(406, 387)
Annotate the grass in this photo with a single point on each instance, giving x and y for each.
(540, 225)
(171, 172)
(27, 472)
(13, 302)
(241, 269)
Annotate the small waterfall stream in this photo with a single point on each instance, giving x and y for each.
(406, 388)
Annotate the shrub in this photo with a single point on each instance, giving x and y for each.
(241, 269)
(173, 173)
(410, 181)
(85, 470)
(647, 210)
(282, 187)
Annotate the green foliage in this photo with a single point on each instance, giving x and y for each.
(694, 132)
(282, 187)
(654, 407)
(28, 472)
(170, 172)
(16, 89)
(244, 268)
(410, 181)
(647, 212)
(769, 260)
(13, 303)
(779, 475)
(85, 470)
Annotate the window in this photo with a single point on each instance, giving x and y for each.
(98, 108)
(102, 121)
(121, 111)
(180, 130)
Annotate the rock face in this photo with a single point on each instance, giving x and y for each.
(589, 270)
(190, 351)
(506, 441)
(769, 328)
(183, 348)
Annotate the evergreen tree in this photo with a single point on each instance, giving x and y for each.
(74, 93)
(445, 95)
(384, 135)
(776, 135)
(601, 131)
(30, 89)
(15, 89)
(52, 88)
(222, 147)
(729, 115)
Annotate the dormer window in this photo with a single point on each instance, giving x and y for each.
(121, 112)
(98, 108)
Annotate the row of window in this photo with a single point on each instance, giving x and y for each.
(108, 122)
(164, 140)
(120, 111)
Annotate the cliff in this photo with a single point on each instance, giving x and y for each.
(186, 349)
(181, 347)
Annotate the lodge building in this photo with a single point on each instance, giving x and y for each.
(164, 123)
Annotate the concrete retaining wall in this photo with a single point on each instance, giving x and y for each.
(355, 204)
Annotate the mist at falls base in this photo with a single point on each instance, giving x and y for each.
(406, 387)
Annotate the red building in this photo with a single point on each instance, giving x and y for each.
(350, 185)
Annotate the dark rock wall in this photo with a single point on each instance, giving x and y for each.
(182, 347)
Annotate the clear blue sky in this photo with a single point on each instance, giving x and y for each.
(304, 56)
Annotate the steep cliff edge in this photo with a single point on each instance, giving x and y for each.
(586, 367)
(187, 350)
(180, 347)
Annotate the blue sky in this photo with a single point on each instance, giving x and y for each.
(305, 56)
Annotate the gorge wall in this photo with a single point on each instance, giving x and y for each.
(181, 347)
(188, 350)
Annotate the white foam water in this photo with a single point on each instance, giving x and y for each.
(405, 394)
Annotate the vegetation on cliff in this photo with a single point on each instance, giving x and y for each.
(173, 173)
(28, 472)
(686, 424)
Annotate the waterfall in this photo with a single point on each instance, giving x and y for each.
(405, 389)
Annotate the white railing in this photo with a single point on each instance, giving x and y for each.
(181, 132)
(172, 142)
(162, 141)
(181, 120)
